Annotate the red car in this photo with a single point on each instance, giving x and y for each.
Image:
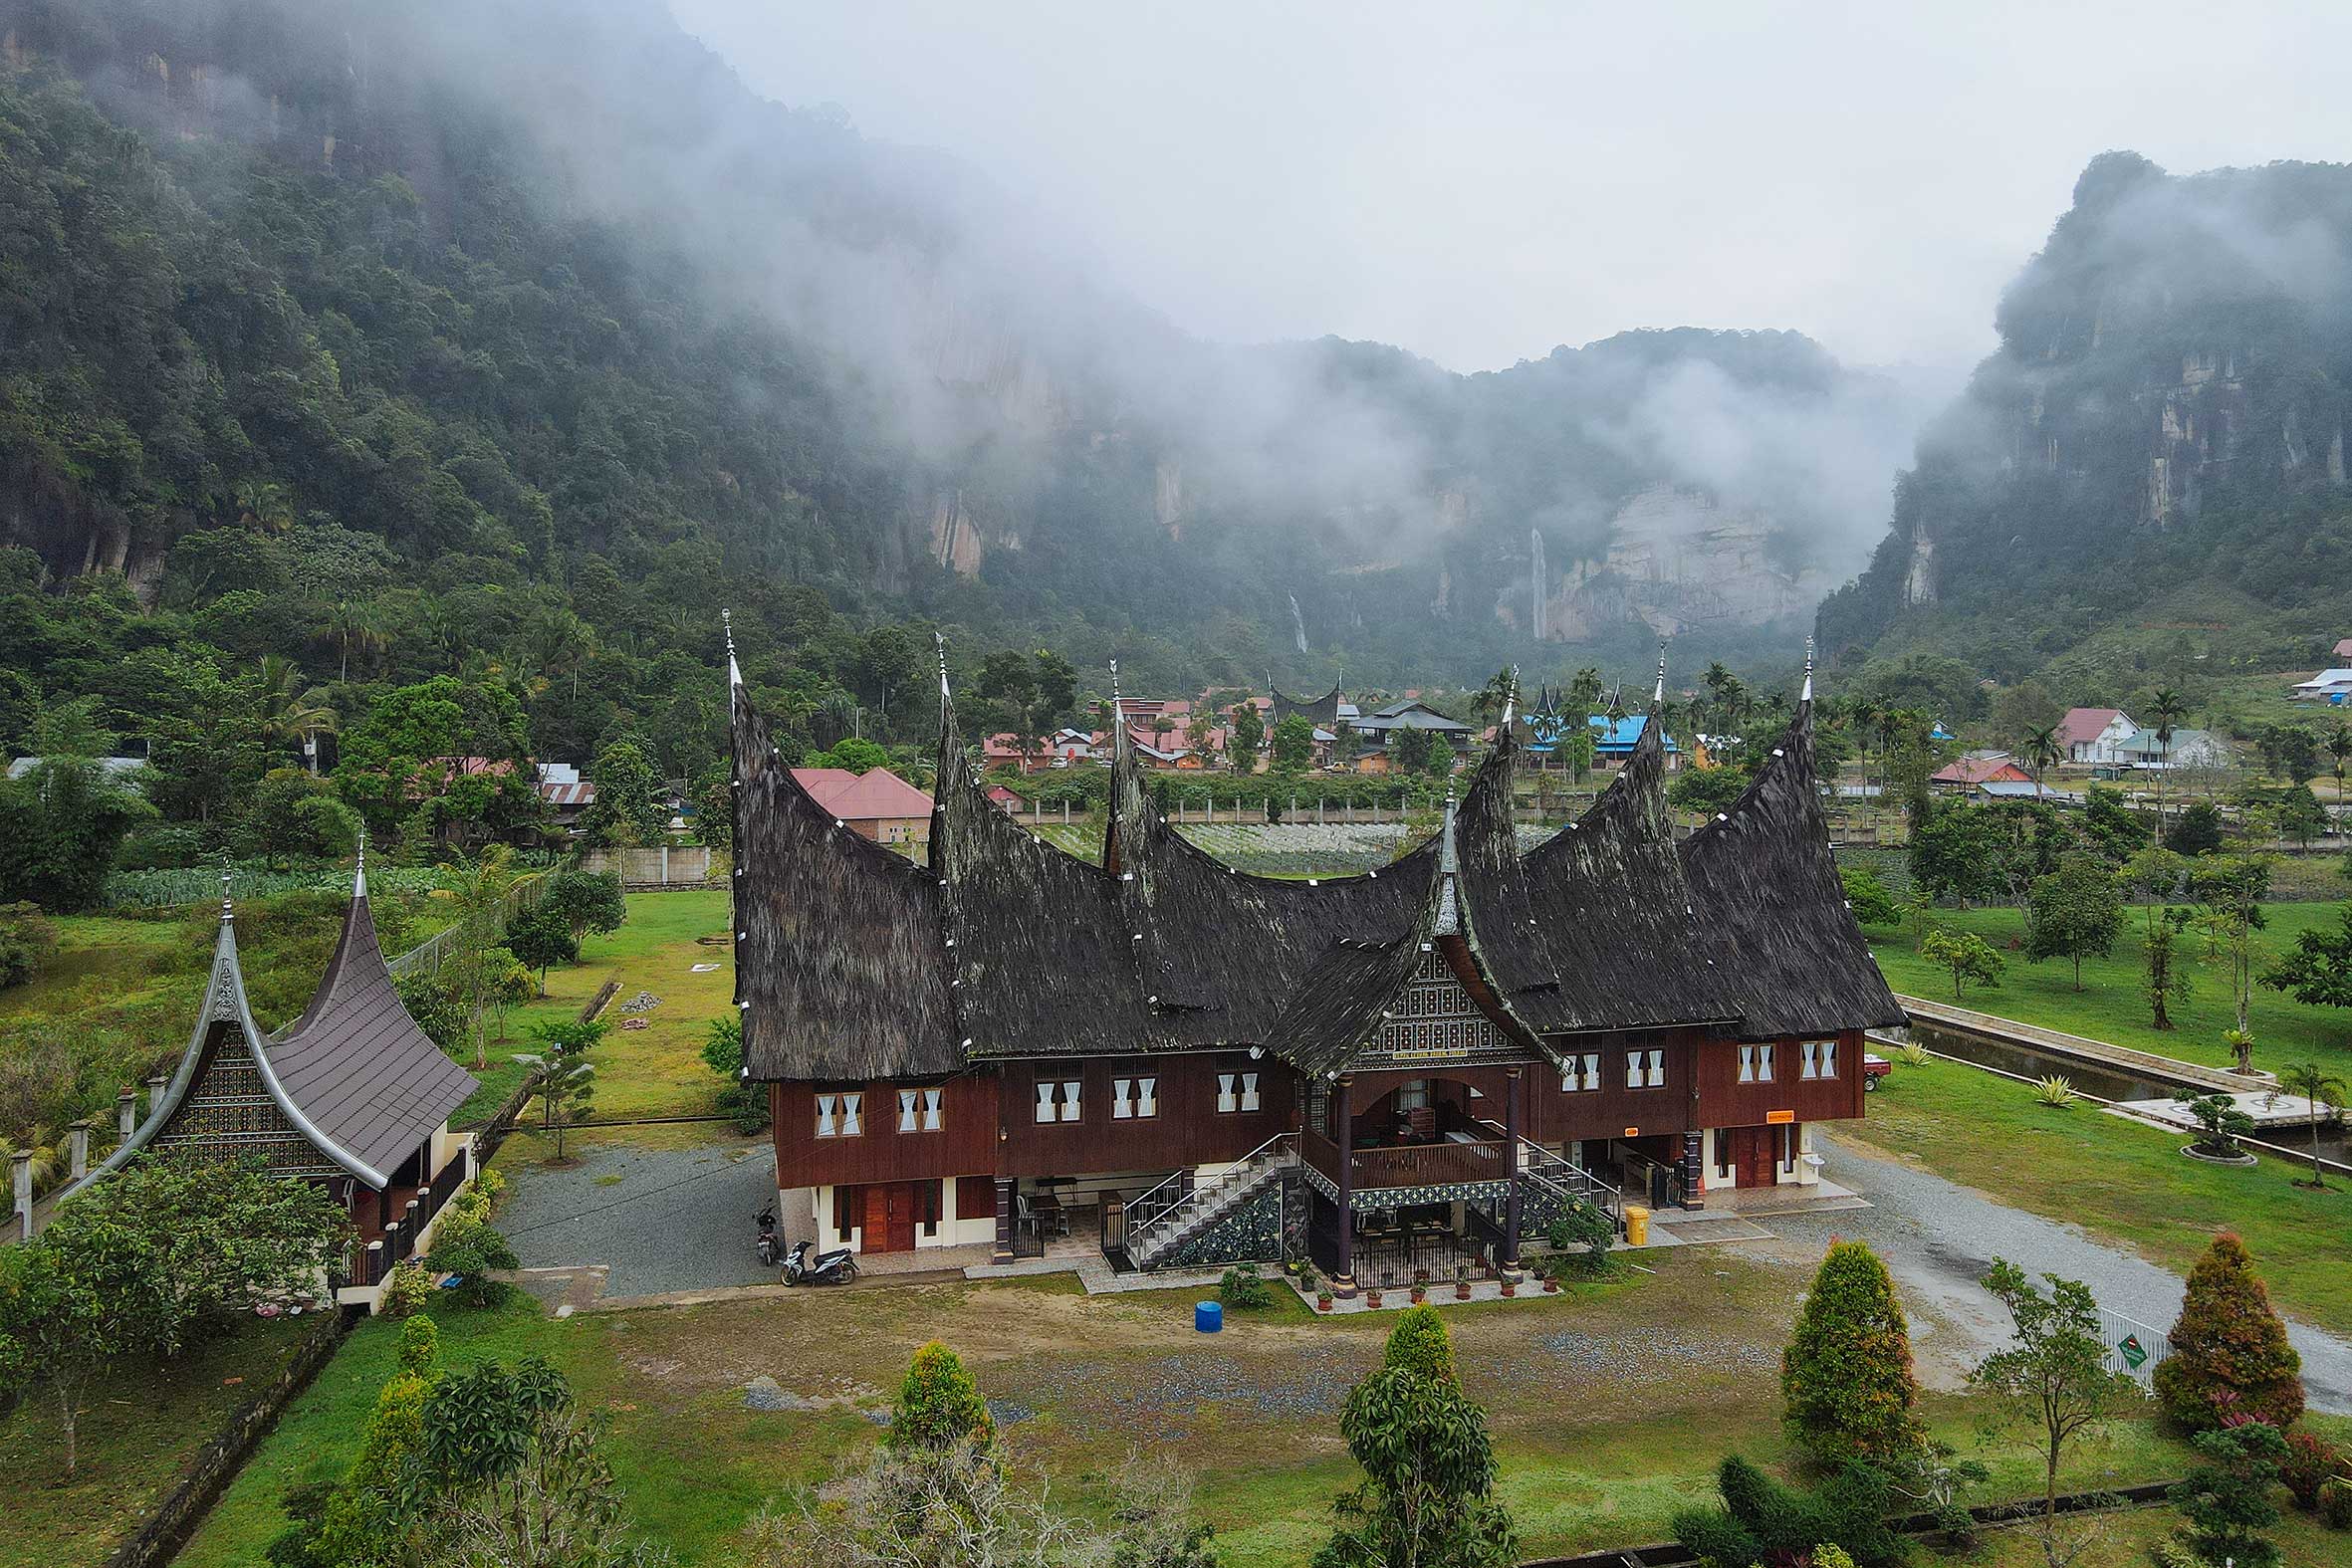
(1873, 1069)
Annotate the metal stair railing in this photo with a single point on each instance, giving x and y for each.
(1168, 1209)
(1565, 1176)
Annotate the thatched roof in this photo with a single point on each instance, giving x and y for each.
(839, 957)
(1223, 954)
(1323, 710)
(1762, 875)
(1039, 946)
(1594, 928)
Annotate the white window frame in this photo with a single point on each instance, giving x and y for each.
(1044, 1109)
(1147, 1098)
(852, 1110)
(1072, 1107)
(828, 1106)
(1633, 1070)
(1747, 1064)
(934, 1110)
(1821, 1059)
(1657, 1070)
(1121, 1108)
(1763, 1062)
(1226, 1099)
(910, 1112)
(1413, 1095)
(1250, 1100)
(1581, 1073)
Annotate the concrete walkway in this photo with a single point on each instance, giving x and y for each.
(1939, 1238)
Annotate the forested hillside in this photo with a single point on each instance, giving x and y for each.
(2146, 484)
(508, 345)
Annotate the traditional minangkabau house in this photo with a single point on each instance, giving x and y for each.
(1386, 1071)
(351, 1095)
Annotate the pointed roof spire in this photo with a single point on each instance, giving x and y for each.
(1511, 700)
(939, 641)
(1808, 694)
(1449, 870)
(1119, 715)
(1658, 695)
(229, 908)
(359, 871)
(734, 671)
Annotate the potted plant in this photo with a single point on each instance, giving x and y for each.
(1550, 1270)
(1510, 1283)
(1460, 1281)
(1372, 1297)
(1420, 1288)
(1322, 1299)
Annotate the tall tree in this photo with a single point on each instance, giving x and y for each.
(1249, 736)
(2076, 913)
(2321, 1090)
(2057, 1370)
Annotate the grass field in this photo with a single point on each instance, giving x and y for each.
(2111, 1005)
(654, 1071)
(135, 1434)
(2123, 1180)
(1608, 1417)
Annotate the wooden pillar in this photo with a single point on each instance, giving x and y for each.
(1694, 1170)
(372, 1269)
(1511, 1114)
(384, 1208)
(1006, 1216)
(1345, 1101)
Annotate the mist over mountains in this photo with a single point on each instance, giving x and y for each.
(920, 393)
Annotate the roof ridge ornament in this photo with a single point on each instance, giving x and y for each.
(1511, 700)
(734, 670)
(359, 871)
(939, 641)
(1807, 695)
(229, 908)
(1658, 696)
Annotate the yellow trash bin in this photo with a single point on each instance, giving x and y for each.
(1637, 1226)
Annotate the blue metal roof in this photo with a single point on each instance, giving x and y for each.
(1620, 735)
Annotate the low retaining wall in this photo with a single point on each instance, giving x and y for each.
(651, 870)
(2124, 1059)
(208, 1475)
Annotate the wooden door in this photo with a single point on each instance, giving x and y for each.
(903, 1200)
(1754, 1151)
(876, 1219)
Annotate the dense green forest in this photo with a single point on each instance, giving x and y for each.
(2145, 486)
(323, 342)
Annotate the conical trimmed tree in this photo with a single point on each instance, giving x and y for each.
(2231, 1356)
(1419, 1343)
(1846, 1376)
(939, 1406)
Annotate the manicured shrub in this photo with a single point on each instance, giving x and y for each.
(2229, 1350)
(2226, 1497)
(1762, 1522)
(466, 1245)
(939, 1406)
(2335, 1505)
(420, 1346)
(1846, 1375)
(1419, 1344)
(407, 1290)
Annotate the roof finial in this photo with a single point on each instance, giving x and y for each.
(359, 876)
(1808, 694)
(734, 671)
(1657, 697)
(940, 642)
(228, 909)
(1509, 698)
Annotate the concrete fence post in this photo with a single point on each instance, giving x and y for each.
(155, 1087)
(80, 1163)
(665, 865)
(125, 1114)
(20, 1163)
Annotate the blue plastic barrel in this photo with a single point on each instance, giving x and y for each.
(1208, 1316)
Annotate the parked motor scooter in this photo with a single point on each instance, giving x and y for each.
(837, 1267)
(767, 1243)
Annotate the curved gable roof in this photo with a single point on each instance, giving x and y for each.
(1762, 874)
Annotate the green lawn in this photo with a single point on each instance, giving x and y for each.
(1602, 1438)
(2122, 1181)
(654, 1071)
(2111, 1005)
(137, 1432)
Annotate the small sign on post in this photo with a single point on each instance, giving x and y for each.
(2134, 1355)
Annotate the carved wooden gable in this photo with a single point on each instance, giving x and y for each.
(228, 1112)
(1435, 1018)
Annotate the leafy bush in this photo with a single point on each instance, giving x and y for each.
(722, 1053)
(26, 943)
(1243, 1290)
(468, 1247)
(2309, 1463)
(1583, 1224)
(1911, 1053)
(407, 1290)
(1847, 1374)
(435, 1006)
(2227, 1496)
(2335, 1505)
(2057, 1092)
(1419, 1344)
(1761, 1520)
(939, 1406)
(2231, 1356)
(1868, 897)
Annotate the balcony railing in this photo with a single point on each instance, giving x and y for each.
(1411, 1165)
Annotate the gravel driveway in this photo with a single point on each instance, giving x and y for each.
(661, 1218)
(1939, 1238)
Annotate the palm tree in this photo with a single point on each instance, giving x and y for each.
(2167, 705)
(355, 625)
(562, 644)
(288, 713)
(264, 505)
(2321, 1088)
(444, 631)
(2041, 750)
(479, 885)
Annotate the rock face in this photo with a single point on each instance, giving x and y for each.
(1676, 561)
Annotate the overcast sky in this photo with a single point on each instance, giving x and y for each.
(1479, 184)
